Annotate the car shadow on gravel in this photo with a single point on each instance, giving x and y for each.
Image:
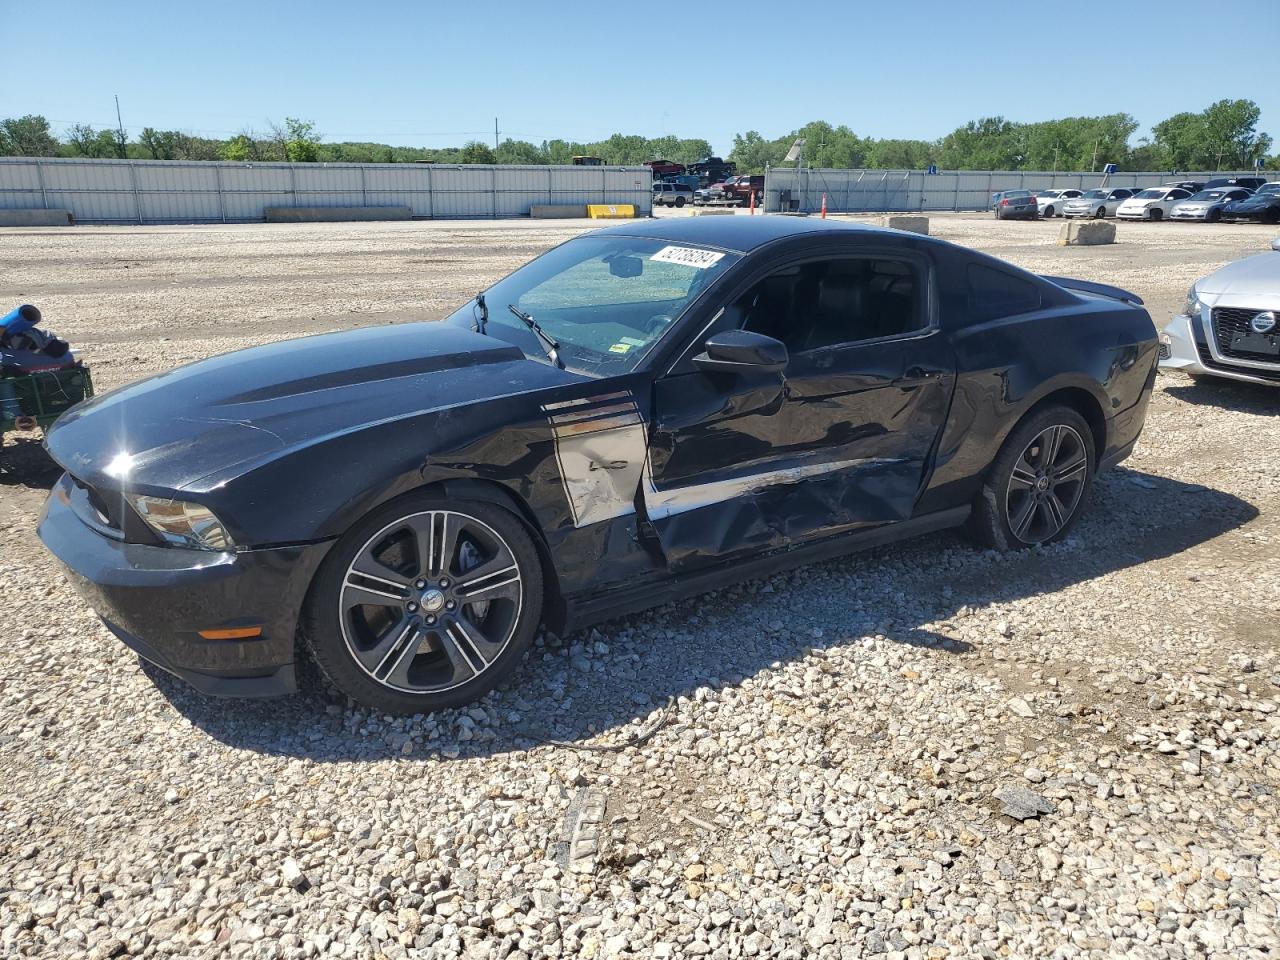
(605, 686)
(24, 462)
(1236, 395)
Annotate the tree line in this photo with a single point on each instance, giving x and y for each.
(1223, 136)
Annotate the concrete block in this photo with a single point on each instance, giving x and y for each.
(36, 218)
(557, 211)
(911, 224)
(611, 211)
(333, 214)
(1086, 233)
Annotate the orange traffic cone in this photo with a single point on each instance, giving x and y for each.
(823, 214)
(752, 206)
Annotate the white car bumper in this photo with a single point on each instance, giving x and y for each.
(1179, 351)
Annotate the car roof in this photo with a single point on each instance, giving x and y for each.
(744, 234)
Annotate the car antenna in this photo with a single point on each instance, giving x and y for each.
(480, 325)
(553, 348)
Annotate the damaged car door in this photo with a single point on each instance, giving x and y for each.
(755, 448)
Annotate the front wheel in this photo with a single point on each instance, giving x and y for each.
(1048, 213)
(1157, 216)
(425, 604)
(1213, 216)
(1100, 213)
(1036, 485)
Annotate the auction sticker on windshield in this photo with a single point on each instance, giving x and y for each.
(688, 256)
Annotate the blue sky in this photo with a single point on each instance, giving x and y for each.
(437, 73)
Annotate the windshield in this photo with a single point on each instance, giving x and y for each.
(1210, 195)
(1149, 195)
(607, 299)
(1269, 188)
(1048, 193)
(1096, 195)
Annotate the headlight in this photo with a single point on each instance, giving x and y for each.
(183, 524)
(1192, 306)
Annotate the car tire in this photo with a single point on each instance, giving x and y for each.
(1157, 216)
(1100, 213)
(403, 635)
(1018, 481)
(1048, 213)
(679, 201)
(1213, 216)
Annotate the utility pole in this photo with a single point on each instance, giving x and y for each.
(120, 140)
(495, 133)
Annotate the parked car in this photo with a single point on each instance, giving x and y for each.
(641, 413)
(1016, 205)
(1262, 207)
(713, 169)
(664, 168)
(672, 194)
(1228, 325)
(1098, 203)
(743, 188)
(1050, 201)
(1151, 204)
(1248, 183)
(1207, 204)
(713, 192)
(1191, 186)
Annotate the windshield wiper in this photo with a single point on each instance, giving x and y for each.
(553, 348)
(484, 314)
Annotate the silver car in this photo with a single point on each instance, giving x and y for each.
(1230, 324)
(1099, 203)
(1207, 204)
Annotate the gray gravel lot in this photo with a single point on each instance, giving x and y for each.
(925, 751)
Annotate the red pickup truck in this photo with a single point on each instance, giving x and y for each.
(742, 189)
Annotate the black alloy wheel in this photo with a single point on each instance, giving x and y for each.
(425, 604)
(1036, 486)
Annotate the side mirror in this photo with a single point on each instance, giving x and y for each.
(626, 266)
(741, 351)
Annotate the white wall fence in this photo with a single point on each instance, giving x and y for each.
(870, 191)
(176, 191)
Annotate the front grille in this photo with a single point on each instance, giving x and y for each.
(1206, 358)
(1229, 321)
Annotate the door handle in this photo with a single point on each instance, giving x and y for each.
(917, 377)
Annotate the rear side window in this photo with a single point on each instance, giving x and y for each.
(994, 294)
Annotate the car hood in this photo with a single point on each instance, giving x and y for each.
(1255, 203)
(1258, 275)
(174, 430)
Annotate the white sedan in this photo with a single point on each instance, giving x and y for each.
(1228, 327)
(1050, 201)
(1154, 203)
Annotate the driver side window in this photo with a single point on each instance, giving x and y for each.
(824, 303)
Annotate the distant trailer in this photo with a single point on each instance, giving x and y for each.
(588, 162)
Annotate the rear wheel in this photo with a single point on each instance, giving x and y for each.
(679, 201)
(425, 604)
(1036, 485)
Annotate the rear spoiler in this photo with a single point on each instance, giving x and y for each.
(1101, 289)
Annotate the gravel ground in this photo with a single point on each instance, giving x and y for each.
(922, 751)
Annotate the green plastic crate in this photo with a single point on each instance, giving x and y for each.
(43, 396)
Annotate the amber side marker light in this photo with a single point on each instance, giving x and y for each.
(236, 633)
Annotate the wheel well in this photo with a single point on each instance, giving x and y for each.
(1085, 404)
(496, 493)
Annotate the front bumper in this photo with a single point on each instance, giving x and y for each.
(157, 599)
(1192, 215)
(1188, 352)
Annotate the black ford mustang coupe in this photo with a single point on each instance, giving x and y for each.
(639, 414)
